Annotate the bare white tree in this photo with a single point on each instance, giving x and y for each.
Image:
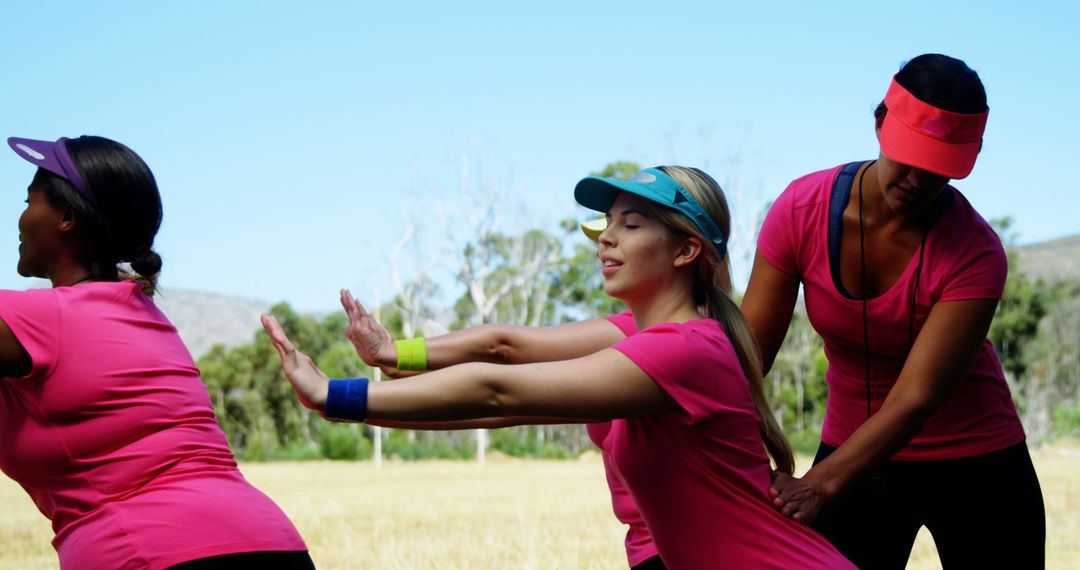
(478, 204)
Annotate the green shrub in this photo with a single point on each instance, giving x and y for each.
(344, 441)
(805, 442)
(512, 442)
(399, 445)
(300, 451)
(1066, 418)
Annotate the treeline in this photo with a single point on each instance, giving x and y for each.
(1035, 332)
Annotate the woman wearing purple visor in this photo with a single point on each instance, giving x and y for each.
(690, 434)
(103, 418)
(901, 278)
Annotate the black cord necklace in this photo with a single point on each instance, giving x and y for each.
(865, 294)
(864, 286)
(86, 279)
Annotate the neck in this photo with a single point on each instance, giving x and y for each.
(877, 215)
(875, 211)
(672, 305)
(68, 272)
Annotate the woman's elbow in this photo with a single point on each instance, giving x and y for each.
(499, 342)
(492, 392)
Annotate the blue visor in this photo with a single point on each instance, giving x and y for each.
(654, 185)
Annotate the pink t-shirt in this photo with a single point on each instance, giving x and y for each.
(699, 475)
(963, 259)
(639, 545)
(113, 436)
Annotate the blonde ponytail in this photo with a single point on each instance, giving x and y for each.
(720, 307)
(713, 295)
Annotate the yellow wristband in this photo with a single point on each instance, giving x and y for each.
(411, 354)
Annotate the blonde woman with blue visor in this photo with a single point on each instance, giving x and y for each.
(690, 434)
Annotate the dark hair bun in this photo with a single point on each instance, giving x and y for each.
(146, 263)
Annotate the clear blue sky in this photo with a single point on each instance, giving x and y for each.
(290, 139)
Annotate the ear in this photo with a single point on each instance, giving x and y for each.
(877, 128)
(67, 220)
(688, 251)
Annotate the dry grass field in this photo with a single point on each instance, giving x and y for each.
(456, 515)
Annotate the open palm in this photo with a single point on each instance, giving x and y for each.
(372, 341)
(310, 383)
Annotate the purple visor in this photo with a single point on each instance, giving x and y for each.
(54, 157)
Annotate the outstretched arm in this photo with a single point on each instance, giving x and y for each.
(478, 423)
(616, 387)
(942, 354)
(499, 344)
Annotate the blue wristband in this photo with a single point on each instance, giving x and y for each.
(347, 399)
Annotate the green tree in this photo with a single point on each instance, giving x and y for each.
(622, 169)
(255, 403)
(796, 386)
(1023, 304)
(1049, 395)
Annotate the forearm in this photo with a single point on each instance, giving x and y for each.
(476, 344)
(943, 353)
(511, 344)
(478, 423)
(876, 441)
(485, 343)
(616, 388)
(464, 392)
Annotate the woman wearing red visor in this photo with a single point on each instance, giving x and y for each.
(901, 278)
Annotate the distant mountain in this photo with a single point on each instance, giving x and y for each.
(1054, 260)
(206, 319)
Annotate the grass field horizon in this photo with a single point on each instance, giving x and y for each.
(510, 513)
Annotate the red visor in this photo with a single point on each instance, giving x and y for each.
(921, 135)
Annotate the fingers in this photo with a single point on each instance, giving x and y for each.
(359, 308)
(801, 507)
(786, 507)
(779, 483)
(351, 305)
(798, 512)
(274, 331)
(359, 319)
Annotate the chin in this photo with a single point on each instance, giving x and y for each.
(612, 290)
(25, 270)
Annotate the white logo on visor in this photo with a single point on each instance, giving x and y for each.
(30, 152)
(644, 177)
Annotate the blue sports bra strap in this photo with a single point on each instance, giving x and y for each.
(838, 199)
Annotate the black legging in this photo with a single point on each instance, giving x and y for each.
(266, 560)
(651, 563)
(984, 511)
